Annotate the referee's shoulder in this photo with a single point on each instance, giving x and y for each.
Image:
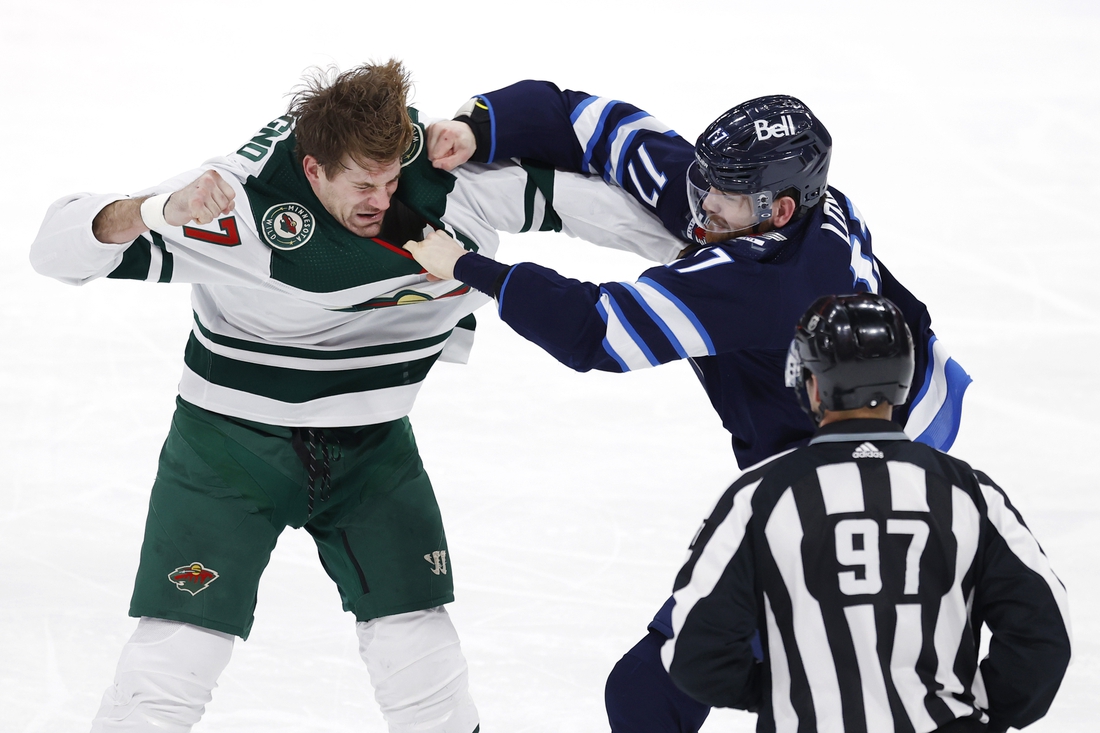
(935, 461)
(777, 472)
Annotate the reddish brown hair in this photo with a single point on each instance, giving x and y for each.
(360, 113)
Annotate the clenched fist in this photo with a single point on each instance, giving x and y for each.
(203, 200)
(450, 144)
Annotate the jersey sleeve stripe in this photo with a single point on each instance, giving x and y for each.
(579, 110)
(534, 206)
(492, 127)
(622, 341)
(688, 328)
(588, 126)
(1024, 546)
(622, 137)
(167, 263)
(937, 409)
(156, 260)
(607, 344)
(500, 295)
(715, 556)
(651, 310)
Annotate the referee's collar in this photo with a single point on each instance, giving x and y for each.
(863, 428)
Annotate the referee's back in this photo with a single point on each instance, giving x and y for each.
(869, 564)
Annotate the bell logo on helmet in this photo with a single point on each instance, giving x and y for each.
(783, 128)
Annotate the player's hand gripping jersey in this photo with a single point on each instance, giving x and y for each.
(730, 307)
(300, 322)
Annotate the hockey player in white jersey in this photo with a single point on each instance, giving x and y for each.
(312, 334)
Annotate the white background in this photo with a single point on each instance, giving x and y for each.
(966, 131)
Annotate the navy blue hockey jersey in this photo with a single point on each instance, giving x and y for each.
(729, 307)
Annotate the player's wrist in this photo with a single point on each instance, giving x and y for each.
(476, 116)
(152, 212)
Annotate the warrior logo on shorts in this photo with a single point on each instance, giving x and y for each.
(414, 149)
(193, 578)
(287, 226)
(438, 561)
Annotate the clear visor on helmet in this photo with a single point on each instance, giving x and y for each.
(718, 212)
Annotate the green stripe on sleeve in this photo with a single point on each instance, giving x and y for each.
(167, 260)
(540, 177)
(135, 262)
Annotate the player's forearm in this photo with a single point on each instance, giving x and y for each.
(65, 248)
(483, 273)
(530, 119)
(120, 222)
(528, 293)
(559, 314)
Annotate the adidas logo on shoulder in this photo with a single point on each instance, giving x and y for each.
(867, 450)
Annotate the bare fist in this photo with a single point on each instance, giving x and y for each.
(202, 200)
(450, 144)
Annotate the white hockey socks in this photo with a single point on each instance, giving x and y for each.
(418, 672)
(164, 678)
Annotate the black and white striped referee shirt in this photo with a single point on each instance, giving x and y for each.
(869, 564)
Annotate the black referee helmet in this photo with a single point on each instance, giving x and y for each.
(859, 349)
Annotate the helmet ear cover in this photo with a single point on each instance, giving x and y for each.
(859, 349)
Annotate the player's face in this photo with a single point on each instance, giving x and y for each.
(356, 195)
(729, 212)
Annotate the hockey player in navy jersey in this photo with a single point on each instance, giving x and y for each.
(765, 235)
(870, 564)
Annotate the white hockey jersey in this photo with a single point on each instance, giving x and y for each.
(299, 322)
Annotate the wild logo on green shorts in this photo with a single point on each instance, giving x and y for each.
(226, 488)
(193, 578)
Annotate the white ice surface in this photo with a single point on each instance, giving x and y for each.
(967, 132)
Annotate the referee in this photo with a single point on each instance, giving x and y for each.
(869, 564)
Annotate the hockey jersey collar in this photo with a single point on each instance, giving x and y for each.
(859, 429)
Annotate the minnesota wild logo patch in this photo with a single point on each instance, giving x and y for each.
(193, 578)
(415, 147)
(287, 226)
